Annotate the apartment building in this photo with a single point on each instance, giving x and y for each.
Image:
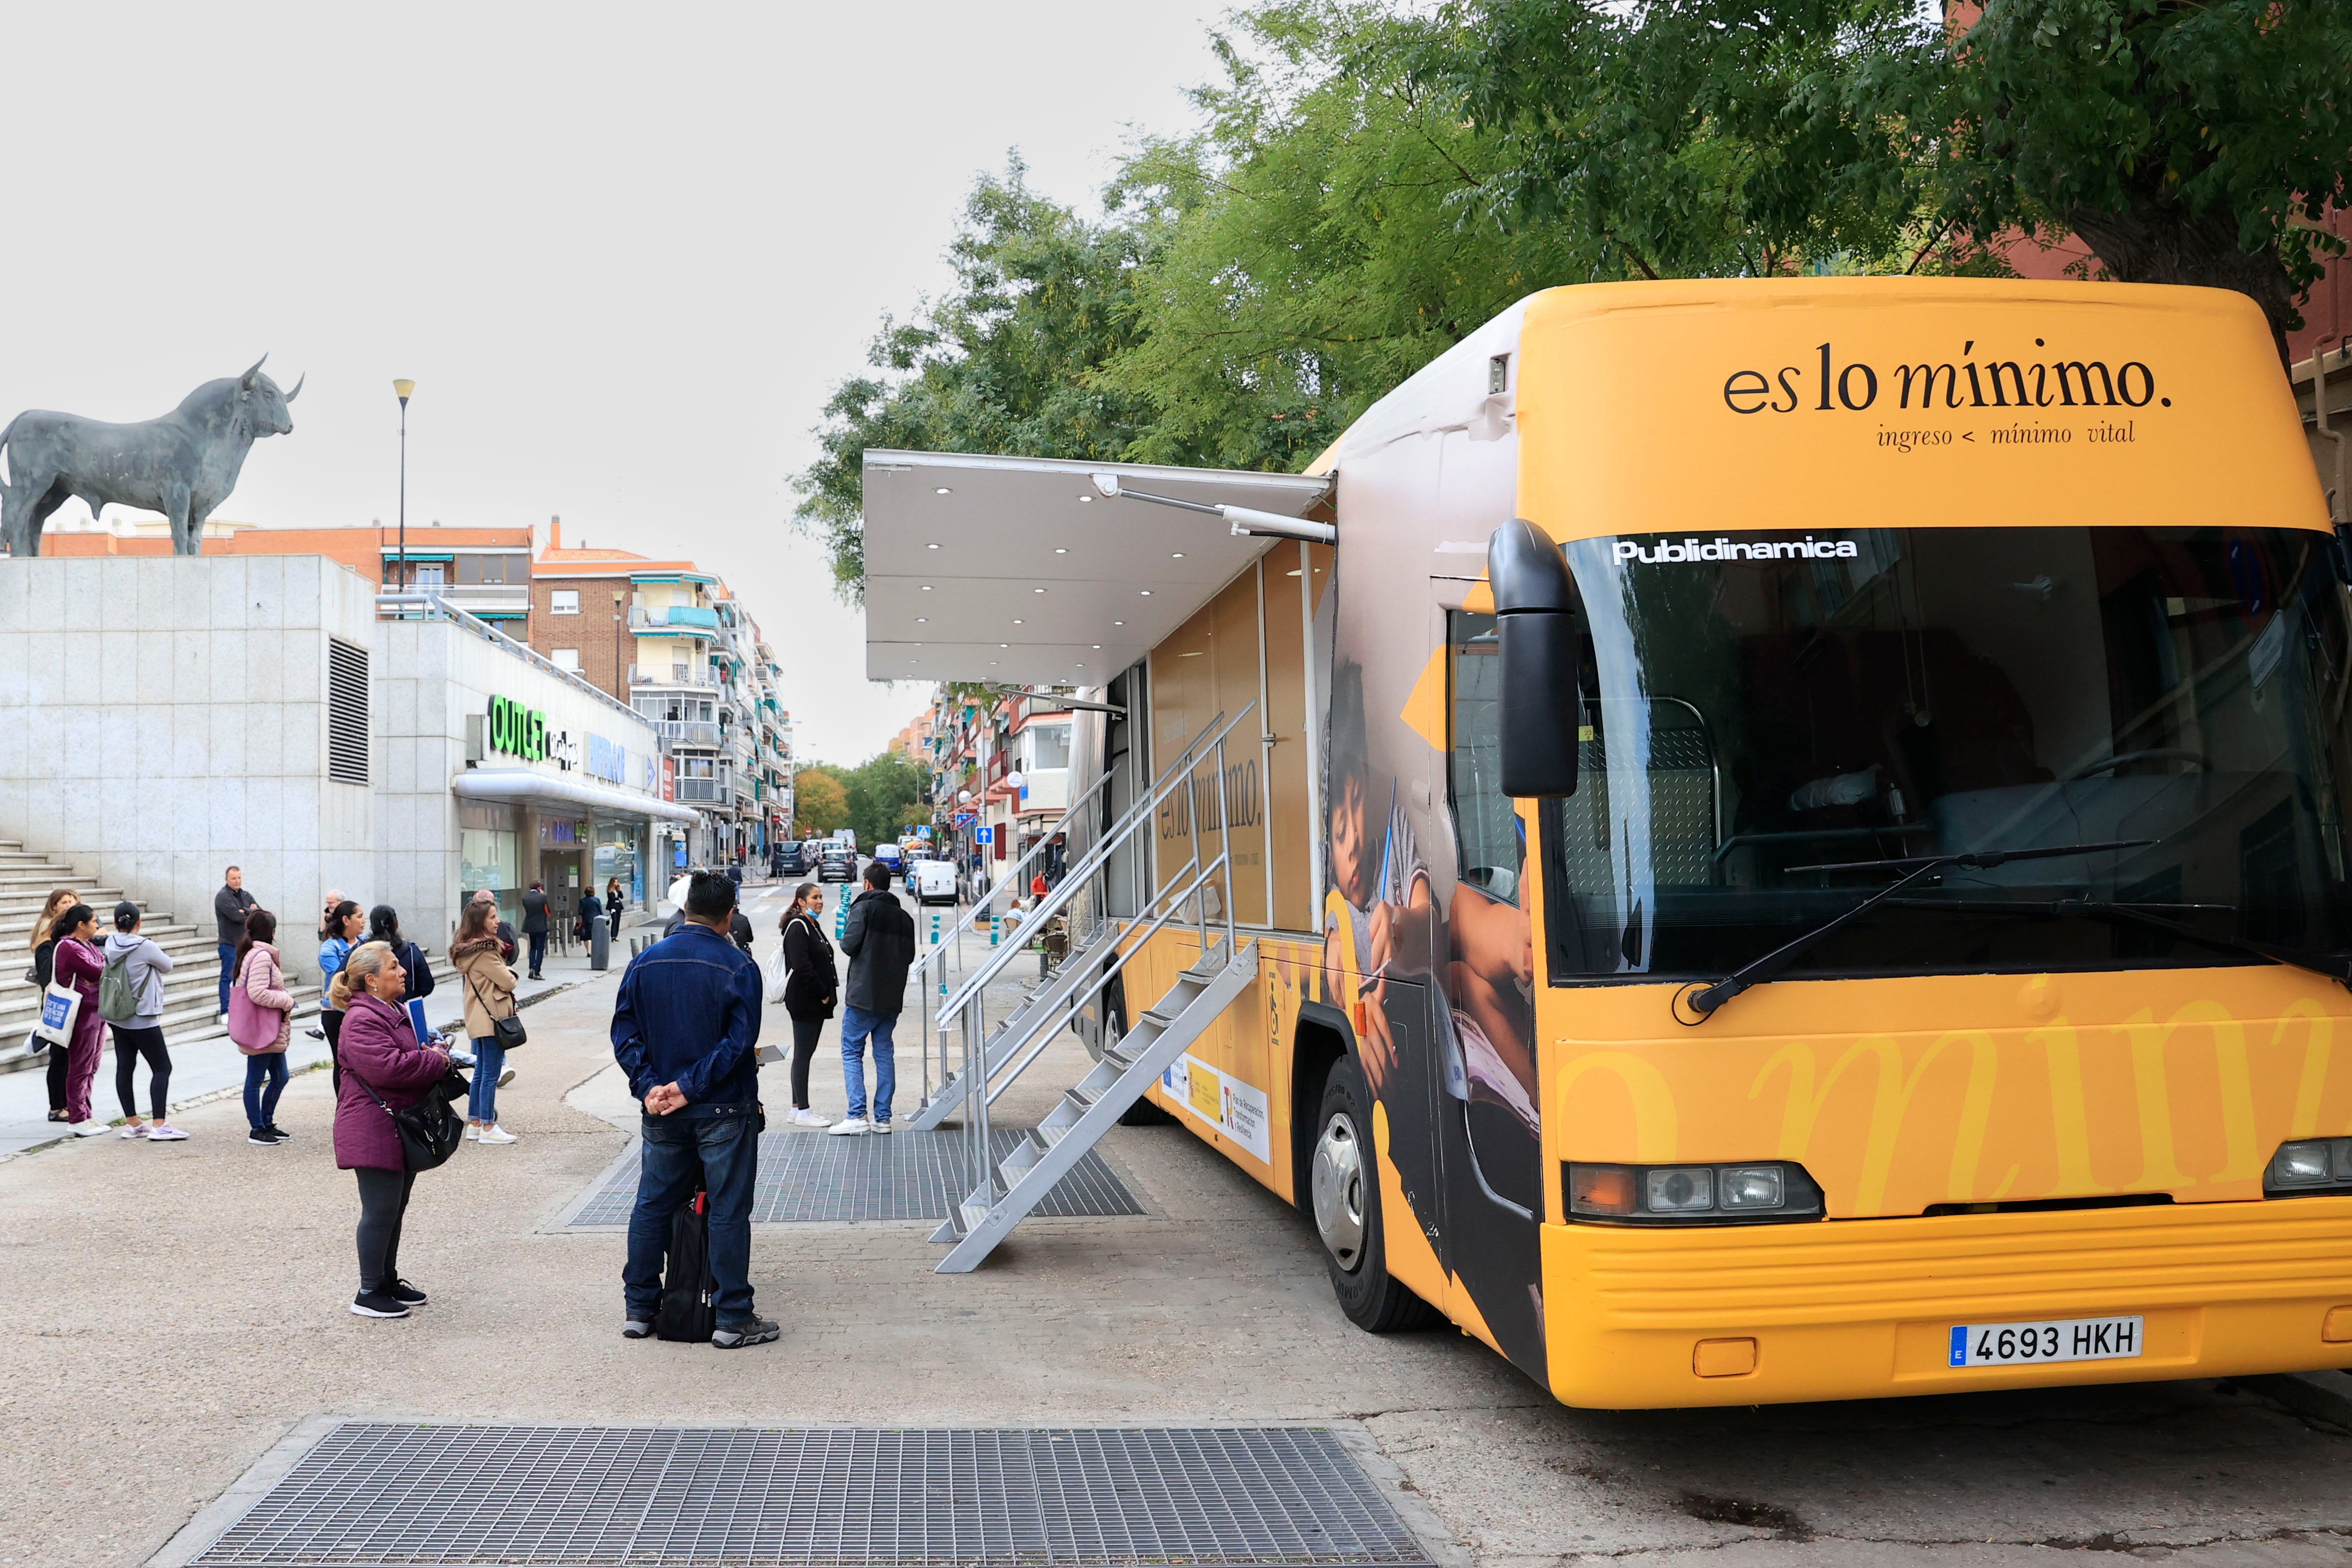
(673, 642)
(1003, 764)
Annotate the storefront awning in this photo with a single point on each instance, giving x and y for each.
(1030, 572)
(520, 786)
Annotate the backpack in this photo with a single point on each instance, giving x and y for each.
(118, 999)
(689, 1298)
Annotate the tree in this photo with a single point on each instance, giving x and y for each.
(1002, 363)
(1679, 136)
(820, 801)
(885, 793)
(1310, 247)
(2186, 142)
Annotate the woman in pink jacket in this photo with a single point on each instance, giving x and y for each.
(259, 996)
(77, 964)
(379, 1052)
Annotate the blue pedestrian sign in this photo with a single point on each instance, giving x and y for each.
(983, 836)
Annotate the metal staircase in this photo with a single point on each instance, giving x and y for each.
(1001, 1193)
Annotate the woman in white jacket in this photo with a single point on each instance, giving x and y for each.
(146, 965)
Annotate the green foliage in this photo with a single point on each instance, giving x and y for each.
(820, 801)
(885, 797)
(1314, 243)
(2187, 143)
(1691, 138)
(1002, 363)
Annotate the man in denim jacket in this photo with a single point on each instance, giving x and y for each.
(686, 1029)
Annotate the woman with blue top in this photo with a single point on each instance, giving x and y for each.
(344, 925)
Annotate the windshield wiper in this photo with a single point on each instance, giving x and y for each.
(2329, 965)
(1708, 998)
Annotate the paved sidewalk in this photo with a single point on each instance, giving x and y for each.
(215, 1068)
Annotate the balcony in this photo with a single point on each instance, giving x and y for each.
(686, 732)
(674, 618)
(672, 678)
(704, 792)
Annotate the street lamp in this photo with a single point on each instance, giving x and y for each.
(401, 389)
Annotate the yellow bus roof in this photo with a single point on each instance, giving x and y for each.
(1846, 402)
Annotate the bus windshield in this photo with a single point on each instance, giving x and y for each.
(1759, 705)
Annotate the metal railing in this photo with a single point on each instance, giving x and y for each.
(1190, 883)
(428, 606)
(674, 675)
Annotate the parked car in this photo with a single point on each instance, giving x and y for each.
(792, 859)
(932, 881)
(838, 864)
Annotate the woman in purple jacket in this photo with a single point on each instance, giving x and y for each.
(379, 1051)
(78, 964)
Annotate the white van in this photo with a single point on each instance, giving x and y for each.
(933, 881)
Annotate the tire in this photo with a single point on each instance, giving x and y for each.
(1345, 1190)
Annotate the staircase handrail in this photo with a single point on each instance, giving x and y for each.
(1043, 1034)
(1097, 858)
(1011, 877)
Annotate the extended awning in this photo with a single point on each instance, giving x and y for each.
(520, 786)
(1023, 569)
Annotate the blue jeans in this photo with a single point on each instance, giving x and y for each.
(720, 1154)
(538, 949)
(260, 1104)
(482, 1098)
(228, 971)
(856, 1025)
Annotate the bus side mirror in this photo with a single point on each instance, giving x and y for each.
(1537, 623)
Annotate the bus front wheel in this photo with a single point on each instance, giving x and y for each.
(1344, 1181)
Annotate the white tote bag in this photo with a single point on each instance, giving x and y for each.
(60, 1006)
(780, 974)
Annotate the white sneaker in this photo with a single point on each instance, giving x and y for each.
(881, 1127)
(163, 1133)
(133, 1130)
(473, 1131)
(494, 1133)
(505, 1078)
(88, 1130)
(804, 1117)
(847, 1124)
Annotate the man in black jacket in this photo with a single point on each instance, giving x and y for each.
(880, 941)
(534, 924)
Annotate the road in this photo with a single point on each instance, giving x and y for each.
(172, 1310)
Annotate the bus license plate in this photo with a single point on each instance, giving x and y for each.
(2067, 1339)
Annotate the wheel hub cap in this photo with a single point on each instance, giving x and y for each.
(1338, 1182)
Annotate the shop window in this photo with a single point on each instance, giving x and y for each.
(347, 713)
(563, 602)
(486, 858)
(566, 658)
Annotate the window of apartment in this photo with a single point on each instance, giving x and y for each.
(566, 658)
(425, 574)
(563, 602)
(1050, 747)
(493, 569)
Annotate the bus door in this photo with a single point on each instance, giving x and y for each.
(1487, 1122)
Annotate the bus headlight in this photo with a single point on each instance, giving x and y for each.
(2310, 1165)
(1686, 1194)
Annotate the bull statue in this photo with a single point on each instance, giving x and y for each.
(182, 465)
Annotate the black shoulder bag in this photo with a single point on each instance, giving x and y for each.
(429, 1130)
(506, 1033)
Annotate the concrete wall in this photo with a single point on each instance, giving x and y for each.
(166, 717)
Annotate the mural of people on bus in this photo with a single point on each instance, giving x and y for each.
(1427, 954)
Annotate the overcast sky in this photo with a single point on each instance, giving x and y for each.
(624, 252)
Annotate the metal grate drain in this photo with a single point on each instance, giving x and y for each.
(807, 1177)
(644, 1496)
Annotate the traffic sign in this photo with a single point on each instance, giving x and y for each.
(984, 836)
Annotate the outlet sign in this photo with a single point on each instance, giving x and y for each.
(518, 730)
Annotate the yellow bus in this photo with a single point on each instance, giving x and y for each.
(1792, 838)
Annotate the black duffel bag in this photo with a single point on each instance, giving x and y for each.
(689, 1298)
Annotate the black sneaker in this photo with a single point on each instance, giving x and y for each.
(407, 1295)
(277, 1133)
(749, 1331)
(267, 1137)
(378, 1304)
(636, 1328)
